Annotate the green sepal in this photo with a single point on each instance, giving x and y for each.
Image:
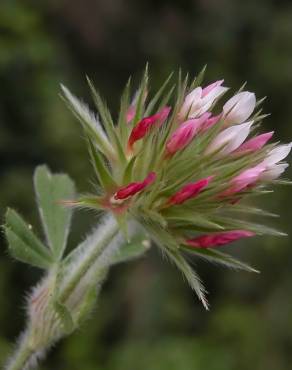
(102, 110)
(136, 248)
(215, 256)
(51, 190)
(65, 317)
(107, 122)
(199, 78)
(102, 172)
(122, 126)
(140, 98)
(89, 122)
(189, 273)
(127, 177)
(171, 249)
(155, 99)
(88, 302)
(89, 201)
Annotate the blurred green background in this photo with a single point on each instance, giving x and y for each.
(147, 318)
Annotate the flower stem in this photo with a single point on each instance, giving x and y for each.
(22, 354)
(108, 230)
(86, 268)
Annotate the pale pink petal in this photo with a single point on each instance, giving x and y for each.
(277, 154)
(255, 143)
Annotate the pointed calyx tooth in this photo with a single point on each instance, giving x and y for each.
(134, 187)
(143, 127)
(189, 191)
(218, 239)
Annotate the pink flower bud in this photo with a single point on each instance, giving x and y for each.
(244, 179)
(130, 114)
(255, 143)
(210, 122)
(239, 107)
(134, 187)
(229, 139)
(218, 239)
(200, 100)
(189, 191)
(185, 133)
(211, 87)
(142, 127)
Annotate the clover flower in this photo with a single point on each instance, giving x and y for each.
(182, 165)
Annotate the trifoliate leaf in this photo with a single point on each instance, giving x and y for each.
(25, 252)
(50, 191)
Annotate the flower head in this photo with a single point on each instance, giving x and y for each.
(197, 168)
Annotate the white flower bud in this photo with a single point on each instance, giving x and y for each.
(239, 107)
(230, 138)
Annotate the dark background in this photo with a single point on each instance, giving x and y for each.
(147, 318)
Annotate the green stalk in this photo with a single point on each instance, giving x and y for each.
(22, 354)
(32, 342)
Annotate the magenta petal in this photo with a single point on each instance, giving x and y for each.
(218, 239)
(135, 187)
(189, 191)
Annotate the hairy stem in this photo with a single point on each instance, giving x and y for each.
(85, 268)
(22, 354)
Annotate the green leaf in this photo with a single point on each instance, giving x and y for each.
(24, 252)
(138, 246)
(50, 190)
(17, 224)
